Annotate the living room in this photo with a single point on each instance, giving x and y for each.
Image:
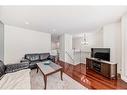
(65, 35)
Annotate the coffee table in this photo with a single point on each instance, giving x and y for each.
(48, 69)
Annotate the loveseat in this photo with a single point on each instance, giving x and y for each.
(34, 58)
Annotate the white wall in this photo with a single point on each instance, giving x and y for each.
(1, 41)
(68, 49)
(112, 40)
(62, 48)
(19, 41)
(124, 48)
(54, 42)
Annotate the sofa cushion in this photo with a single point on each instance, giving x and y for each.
(2, 68)
(44, 56)
(32, 57)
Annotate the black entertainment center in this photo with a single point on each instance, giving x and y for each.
(100, 63)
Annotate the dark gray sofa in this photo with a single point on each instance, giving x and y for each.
(4, 69)
(34, 58)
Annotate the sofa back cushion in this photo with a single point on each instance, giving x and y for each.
(32, 57)
(44, 56)
(2, 68)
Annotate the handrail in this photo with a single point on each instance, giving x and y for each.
(70, 56)
(81, 52)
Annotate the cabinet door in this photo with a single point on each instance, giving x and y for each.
(105, 69)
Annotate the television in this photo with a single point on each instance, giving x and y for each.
(101, 53)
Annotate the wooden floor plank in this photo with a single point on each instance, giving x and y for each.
(91, 79)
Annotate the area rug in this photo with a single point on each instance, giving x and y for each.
(54, 82)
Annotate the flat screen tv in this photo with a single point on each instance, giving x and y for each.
(101, 53)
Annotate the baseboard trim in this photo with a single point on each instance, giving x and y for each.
(67, 62)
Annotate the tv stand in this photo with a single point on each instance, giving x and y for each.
(105, 68)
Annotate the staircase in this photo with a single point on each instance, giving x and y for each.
(75, 57)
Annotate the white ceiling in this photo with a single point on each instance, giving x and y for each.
(61, 19)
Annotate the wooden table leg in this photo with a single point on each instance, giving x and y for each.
(37, 69)
(61, 74)
(45, 82)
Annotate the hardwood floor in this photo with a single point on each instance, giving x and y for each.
(89, 78)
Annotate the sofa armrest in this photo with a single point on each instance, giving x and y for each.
(52, 58)
(25, 60)
(16, 67)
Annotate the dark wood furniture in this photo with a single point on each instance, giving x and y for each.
(48, 70)
(105, 68)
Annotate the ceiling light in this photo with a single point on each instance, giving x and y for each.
(26, 22)
(84, 42)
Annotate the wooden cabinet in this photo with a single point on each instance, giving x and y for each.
(104, 68)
